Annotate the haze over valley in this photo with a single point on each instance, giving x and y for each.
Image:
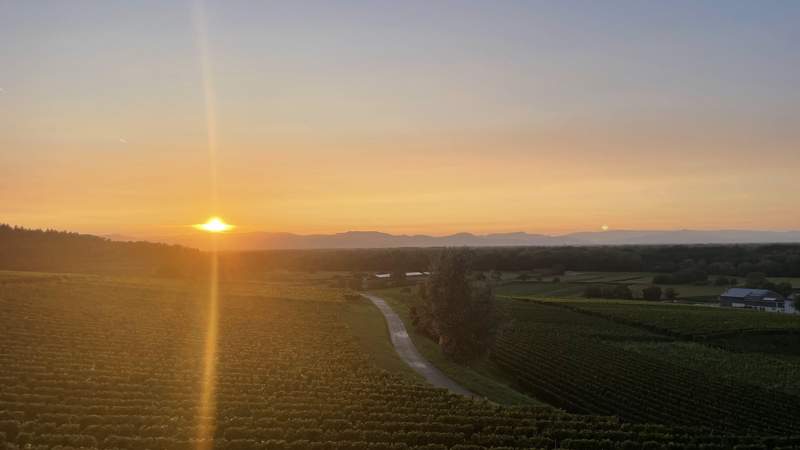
(373, 239)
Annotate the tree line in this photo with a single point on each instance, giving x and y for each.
(25, 249)
(60, 251)
(686, 263)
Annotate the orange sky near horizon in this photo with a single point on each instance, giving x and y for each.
(461, 119)
(426, 184)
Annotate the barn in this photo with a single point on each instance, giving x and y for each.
(758, 299)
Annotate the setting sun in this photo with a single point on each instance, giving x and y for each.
(214, 225)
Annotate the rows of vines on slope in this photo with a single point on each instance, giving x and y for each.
(553, 352)
(690, 321)
(102, 366)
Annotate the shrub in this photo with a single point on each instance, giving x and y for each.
(651, 293)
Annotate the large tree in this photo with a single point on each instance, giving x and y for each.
(651, 293)
(458, 313)
(398, 277)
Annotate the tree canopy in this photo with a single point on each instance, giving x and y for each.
(58, 251)
(458, 313)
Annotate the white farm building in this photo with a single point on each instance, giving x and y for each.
(758, 299)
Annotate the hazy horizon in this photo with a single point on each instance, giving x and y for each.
(184, 231)
(165, 233)
(407, 117)
(265, 240)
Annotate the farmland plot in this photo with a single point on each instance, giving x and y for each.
(580, 362)
(103, 364)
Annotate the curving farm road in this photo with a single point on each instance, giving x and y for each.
(408, 352)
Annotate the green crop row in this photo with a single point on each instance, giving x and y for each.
(106, 364)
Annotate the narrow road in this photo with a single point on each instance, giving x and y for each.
(408, 352)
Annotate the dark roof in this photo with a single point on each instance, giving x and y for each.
(745, 293)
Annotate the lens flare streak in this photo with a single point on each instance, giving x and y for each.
(207, 410)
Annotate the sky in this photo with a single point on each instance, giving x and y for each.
(406, 117)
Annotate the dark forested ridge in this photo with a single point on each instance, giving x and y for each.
(60, 251)
(771, 259)
(25, 249)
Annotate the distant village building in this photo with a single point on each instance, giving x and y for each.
(417, 274)
(386, 276)
(758, 299)
(383, 279)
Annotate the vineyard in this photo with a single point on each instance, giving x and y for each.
(542, 289)
(574, 287)
(684, 320)
(97, 363)
(574, 360)
(766, 370)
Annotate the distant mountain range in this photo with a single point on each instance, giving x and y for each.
(374, 239)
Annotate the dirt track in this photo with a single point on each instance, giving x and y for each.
(408, 352)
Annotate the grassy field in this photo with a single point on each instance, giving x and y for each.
(369, 328)
(541, 289)
(573, 289)
(608, 277)
(573, 284)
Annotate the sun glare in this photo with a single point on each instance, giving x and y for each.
(214, 225)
